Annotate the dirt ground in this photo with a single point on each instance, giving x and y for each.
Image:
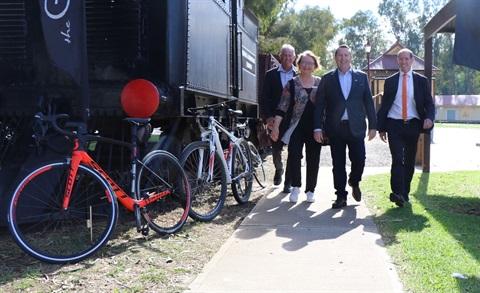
(133, 263)
(129, 262)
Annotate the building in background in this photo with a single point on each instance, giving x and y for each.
(457, 108)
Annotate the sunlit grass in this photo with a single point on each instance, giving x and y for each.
(457, 125)
(434, 240)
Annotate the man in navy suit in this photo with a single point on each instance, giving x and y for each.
(407, 109)
(344, 97)
(275, 80)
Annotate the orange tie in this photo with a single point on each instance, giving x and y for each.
(404, 97)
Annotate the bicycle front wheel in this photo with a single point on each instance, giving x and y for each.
(242, 172)
(257, 165)
(46, 230)
(160, 171)
(208, 194)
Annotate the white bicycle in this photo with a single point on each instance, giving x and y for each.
(210, 167)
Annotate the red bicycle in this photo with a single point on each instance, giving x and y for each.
(66, 210)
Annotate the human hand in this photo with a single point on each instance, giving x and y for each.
(274, 133)
(318, 136)
(371, 134)
(383, 136)
(427, 123)
(270, 121)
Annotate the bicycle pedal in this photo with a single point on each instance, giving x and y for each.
(145, 231)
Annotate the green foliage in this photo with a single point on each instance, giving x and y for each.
(310, 29)
(452, 79)
(316, 29)
(357, 30)
(266, 11)
(271, 46)
(434, 236)
(407, 19)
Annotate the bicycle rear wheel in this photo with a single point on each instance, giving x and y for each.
(160, 171)
(208, 194)
(257, 165)
(242, 179)
(45, 230)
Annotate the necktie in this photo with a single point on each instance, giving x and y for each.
(404, 97)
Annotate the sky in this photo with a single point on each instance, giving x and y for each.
(341, 8)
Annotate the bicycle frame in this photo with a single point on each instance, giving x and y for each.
(212, 135)
(67, 209)
(79, 155)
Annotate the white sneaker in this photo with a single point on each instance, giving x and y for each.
(310, 197)
(294, 194)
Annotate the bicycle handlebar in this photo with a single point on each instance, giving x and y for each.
(53, 120)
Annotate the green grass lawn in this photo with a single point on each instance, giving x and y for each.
(457, 125)
(434, 237)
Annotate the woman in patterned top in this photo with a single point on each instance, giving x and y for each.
(300, 128)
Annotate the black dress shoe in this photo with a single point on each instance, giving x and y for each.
(406, 198)
(356, 192)
(287, 188)
(339, 203)
(277, 179)
(397, 199)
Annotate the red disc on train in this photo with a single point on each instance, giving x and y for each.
(140, 98)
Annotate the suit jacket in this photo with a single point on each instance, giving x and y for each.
(359, 104)
(421, 93)
(271, 92)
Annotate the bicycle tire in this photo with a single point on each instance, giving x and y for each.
(160, 171)
(242, 186)
(48, 232)
(208, 196)
(257, 165)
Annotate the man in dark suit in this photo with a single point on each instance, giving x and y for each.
(275, 80)
(407, 109)
(344, 97)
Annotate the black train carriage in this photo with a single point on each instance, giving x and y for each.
(194, 51)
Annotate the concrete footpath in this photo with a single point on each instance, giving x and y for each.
(303, 247)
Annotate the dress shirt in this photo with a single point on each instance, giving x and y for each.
(285, 76)
(395, 111)
(346, 84)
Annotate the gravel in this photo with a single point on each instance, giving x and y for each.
(378, 154)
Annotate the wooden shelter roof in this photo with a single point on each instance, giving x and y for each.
(457, 100)
(388, 61)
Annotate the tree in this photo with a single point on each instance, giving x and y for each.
(310, 29)
(407, 19)
(266, 11)
(357, 30)
(442, 58)
(316, 29)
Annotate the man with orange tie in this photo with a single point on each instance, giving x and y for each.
(407, 109)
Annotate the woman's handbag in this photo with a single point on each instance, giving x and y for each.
(325, 136)
(263, 135)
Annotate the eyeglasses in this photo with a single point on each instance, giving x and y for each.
(307, 63)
